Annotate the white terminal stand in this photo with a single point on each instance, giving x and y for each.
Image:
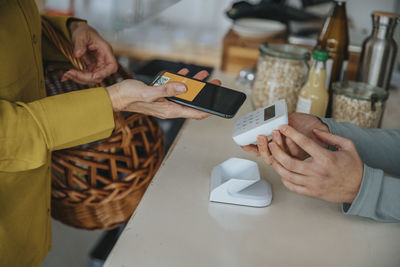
(237, 181)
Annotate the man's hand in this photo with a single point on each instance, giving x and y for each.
(303, 123)
(135, 96)
(95, 52)
(334, 176)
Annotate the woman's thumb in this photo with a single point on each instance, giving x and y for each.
(166, 90)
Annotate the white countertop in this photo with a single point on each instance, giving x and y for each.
(176, 225)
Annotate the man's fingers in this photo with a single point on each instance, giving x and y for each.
(295, 150)
(292, 177)
(296, 188)
(253, 149)
(262, 144)
(287, 161)
(201, 75)
(333, 139)
(279, 139)
(306, 143)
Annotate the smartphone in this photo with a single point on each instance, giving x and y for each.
(204, 96)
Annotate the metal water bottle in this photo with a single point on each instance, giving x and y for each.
(379, 51)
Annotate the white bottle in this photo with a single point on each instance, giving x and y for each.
(313, 97)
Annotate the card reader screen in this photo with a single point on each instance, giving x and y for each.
(269, 112)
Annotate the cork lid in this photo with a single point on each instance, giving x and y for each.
(386, 14)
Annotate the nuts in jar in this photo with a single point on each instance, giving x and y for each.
(358, 103)
(281, 72)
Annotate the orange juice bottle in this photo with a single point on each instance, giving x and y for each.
(313, 97)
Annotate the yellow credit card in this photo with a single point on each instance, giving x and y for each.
(193, 87)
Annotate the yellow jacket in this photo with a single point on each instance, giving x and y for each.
(31, 126)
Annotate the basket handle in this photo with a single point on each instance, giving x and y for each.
(62, 44)
(66, 49)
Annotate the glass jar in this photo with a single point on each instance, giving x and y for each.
(281, 72)
(359, 103)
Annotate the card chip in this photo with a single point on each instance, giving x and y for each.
(162, 80)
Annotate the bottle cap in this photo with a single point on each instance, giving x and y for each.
(320, 55)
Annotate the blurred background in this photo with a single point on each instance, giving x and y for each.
(192, 30)
(151, 35)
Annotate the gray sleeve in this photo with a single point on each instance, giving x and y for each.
(378, 198)
(378, 148)
(379, 195)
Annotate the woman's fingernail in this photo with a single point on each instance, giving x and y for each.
(271, 159)
(260, 140)
(274, 134)
(284, 128)
(180, 88)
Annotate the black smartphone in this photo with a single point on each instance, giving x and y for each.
(207, 97)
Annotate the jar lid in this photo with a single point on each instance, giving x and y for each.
(284, 51)
(360, 90)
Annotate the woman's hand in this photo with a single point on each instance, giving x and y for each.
(94, 51)
(135, 96)
(303, 123)
(334, 176)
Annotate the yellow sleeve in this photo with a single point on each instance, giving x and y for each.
(49, 51)
(31, 130)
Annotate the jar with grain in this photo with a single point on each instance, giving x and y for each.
(281, 72)
(359, 103)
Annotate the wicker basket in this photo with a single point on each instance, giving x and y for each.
(99, 185)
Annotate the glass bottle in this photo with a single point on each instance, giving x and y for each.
(313, 97)
(379, 51)
(334, 38)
